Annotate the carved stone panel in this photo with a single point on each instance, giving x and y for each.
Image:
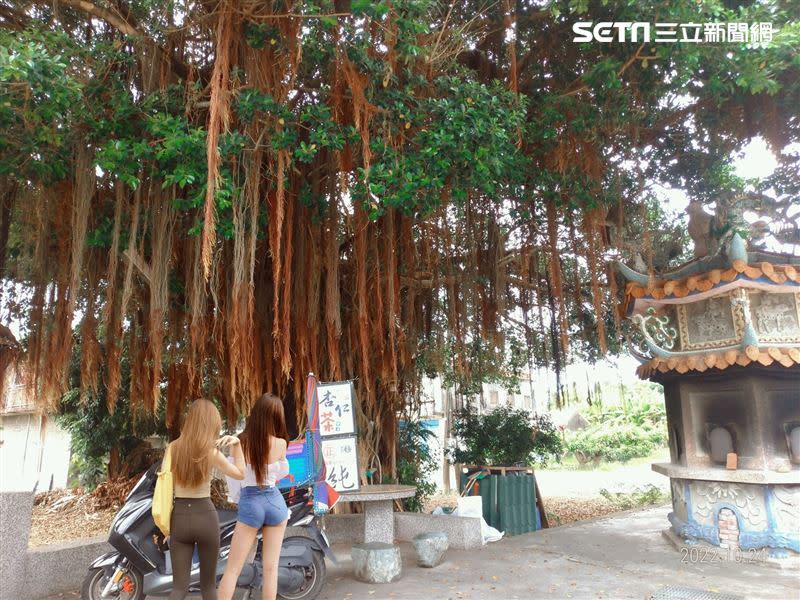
(679, 499)
(709, 496)
(776, 317)
(786, 507)
(710, 323)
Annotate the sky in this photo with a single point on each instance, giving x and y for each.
(755, 161)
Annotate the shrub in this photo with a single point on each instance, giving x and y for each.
(104, 443)
(97, 436)
(615, 443)
(632, 410)
(415, 461)
(504, 436)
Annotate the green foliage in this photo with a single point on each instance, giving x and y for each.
(590, 125)
(95, 432)
(614, 442)
(641, 405)
(415, 462)
(646, 496)
(633, 428)
(86, 470)
(36, 94)
(464, 136)
(503, 437)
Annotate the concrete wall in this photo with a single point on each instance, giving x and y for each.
(344, 529)
(15, 525)
(462, 532)
(532, 396)
(30, 574)
(60, 567)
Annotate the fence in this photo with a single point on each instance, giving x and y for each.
(510, 501)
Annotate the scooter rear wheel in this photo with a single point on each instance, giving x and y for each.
(315, 576)
(130, 586)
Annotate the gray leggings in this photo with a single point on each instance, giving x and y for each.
(194, 521)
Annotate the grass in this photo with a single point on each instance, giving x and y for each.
(568, 463)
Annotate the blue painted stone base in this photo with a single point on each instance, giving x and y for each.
(783, 544)
(699, 551)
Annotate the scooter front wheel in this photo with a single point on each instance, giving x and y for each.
(127, 587)
(313, 581)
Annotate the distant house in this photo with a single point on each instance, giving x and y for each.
(34, 450)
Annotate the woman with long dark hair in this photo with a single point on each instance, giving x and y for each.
(261, 505)
(194, 519)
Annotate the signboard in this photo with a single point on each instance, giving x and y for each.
(337, 433)
(341, 462)
(336, 409)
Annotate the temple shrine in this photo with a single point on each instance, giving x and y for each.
(721, 333)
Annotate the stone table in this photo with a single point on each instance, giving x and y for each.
(378, 509)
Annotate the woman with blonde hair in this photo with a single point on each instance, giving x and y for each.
(261, 505)
(194, 518)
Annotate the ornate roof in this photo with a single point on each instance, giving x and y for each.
(714, 280)
(786, 357)
(732, 308)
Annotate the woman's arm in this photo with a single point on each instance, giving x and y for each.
(280, 468)
(235, 470)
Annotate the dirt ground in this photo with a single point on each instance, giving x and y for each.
(568, 496)
(63, 515)
(580, 483)
(69, 515)
(560, 510)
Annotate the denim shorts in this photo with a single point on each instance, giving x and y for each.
(259, 506)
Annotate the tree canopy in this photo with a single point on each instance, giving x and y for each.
(236, 193)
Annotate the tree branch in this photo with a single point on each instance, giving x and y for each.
(13, 19)
(138, 262)
(115, 20)
(118, 22)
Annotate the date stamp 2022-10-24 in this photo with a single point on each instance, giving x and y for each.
(708, 554)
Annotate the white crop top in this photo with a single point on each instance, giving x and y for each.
(275, 472)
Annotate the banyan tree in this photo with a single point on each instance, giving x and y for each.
(235, 193)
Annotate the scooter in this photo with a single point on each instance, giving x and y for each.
(139, 565)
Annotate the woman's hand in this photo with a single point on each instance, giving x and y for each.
(235, 470)
(226, 441)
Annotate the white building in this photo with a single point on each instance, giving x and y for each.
(532, 396)
(34, 450)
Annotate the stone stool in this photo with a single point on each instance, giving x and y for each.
(430, 548)
(376, 562)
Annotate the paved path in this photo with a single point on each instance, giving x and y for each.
(617, 557)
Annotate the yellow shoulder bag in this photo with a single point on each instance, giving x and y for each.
(163, 495)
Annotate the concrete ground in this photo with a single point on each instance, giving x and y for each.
(616, 557)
